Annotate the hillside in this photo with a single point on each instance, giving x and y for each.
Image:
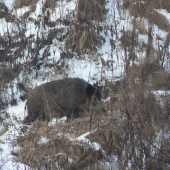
(120, 46)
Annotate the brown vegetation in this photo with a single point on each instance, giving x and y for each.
(49, 4)
(22, 3)
(88, 10)
(4, 13)
(82, 39)
(58, 150)
(147, 9)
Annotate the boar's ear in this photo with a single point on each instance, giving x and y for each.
(90, 90)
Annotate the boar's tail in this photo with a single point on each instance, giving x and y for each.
(22, 87)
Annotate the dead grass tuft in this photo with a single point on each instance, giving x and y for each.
(4, 13)
(147, 10)
(22, 3)
(88, 10)
(82, 39)
(49, 4)
(157, 4)
(58, 150)
(3, 10)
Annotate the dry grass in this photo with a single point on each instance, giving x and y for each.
(88, 10)
(147, 10)
(58, 149)
(49, 4)
(3, 10)
(159, 4)
(4, 13)
(22, 3)
(82, 39)
(156, 4)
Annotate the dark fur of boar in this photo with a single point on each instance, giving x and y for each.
(68, 97)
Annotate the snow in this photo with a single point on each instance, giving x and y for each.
(21, 11)
(60, 120)
(10, 135)
(63, 9)
(8, 3)
(83, 139)
(4, 26)
(165, 13)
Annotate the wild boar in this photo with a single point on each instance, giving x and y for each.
(69, 97)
